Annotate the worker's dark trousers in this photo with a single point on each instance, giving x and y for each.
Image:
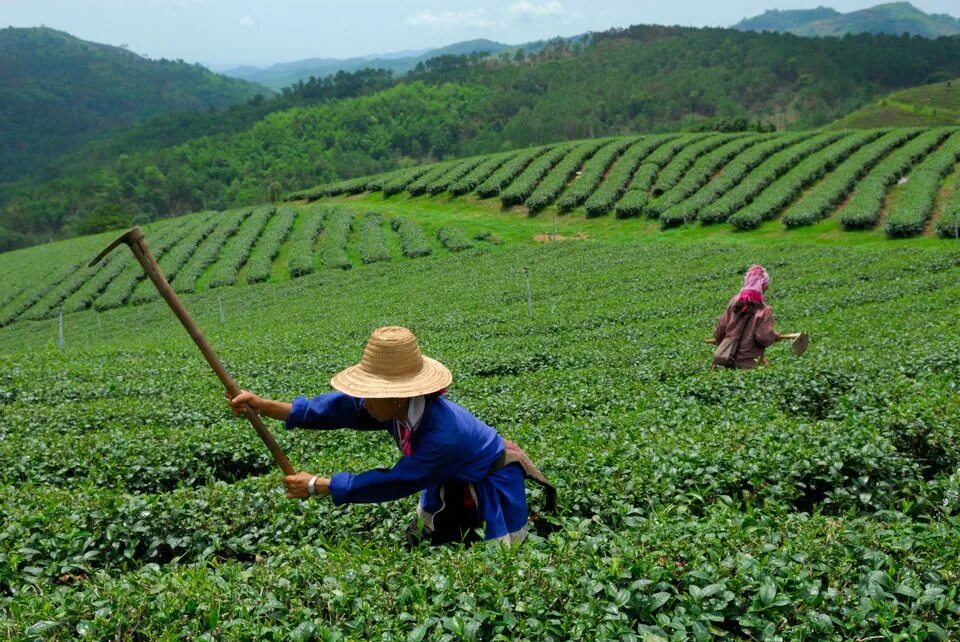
(457, 521)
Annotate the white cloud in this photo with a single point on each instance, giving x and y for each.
(526, 10)
(450, 20)
(247, 21)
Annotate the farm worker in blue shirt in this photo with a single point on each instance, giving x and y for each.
(467, 475)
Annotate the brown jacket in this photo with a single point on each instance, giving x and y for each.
(757, 334)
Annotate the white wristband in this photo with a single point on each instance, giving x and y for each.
(312, 485)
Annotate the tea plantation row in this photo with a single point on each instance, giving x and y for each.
(200, 251)
(709, 178)
(816, 499)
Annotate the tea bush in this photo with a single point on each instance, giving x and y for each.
(730, 176)
(454, 238)
(373, 247)
(704, 169)
(413, 240)
(611, 190)
(838, 184)
(949, 224)
(522, 187)
(785, 190)
(208, 252)
(479, 174)
(916, 202)
(303, 238)
(175, 258)
(435, 173)
(337, 225)
(593, 172)
(866, 203)
(559, 176)
(637, 191)
(235, 255)
(453, 175)
(764, 175)
(260, 263)
(506, 173)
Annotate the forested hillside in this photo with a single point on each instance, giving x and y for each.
(642, 79)
(57, 91)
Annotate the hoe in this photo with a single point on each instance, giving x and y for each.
(138, 245)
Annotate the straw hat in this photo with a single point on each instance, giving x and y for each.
(392, 366)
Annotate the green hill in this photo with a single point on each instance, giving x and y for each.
(933, 105)
(641, 79)
(57, 92)
(892, 18)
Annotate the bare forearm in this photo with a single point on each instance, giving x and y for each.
(267, 407)
(275, 409)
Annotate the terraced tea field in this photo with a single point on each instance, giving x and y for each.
(896, 183)
(739, 179)
(211, 250)
(816, 499)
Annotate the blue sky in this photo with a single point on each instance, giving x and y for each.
(223, 33)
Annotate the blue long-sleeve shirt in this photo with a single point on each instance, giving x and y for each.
(448, 444)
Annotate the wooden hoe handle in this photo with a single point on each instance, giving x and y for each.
(138, 245)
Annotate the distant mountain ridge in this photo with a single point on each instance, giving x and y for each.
(57, 92)
(892, 18)
(286, 74)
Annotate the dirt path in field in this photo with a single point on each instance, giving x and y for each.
(550, 238)
(947, 189)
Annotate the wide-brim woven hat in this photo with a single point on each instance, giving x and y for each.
(392, 366)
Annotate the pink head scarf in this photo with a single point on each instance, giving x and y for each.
(755, 282)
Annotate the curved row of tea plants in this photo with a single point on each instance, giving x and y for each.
(692, 180)
(237, 250)
(684, 178)
(373, 247)
(203, 251)
(260, 263)
(413, 240)
(592, 173)
(173, 260)
(637, 190)
(949, 224)
(865, 206)
(728, 177)
(522, 187)
(915, 205)
(554, 182)
(785, 190)
(612, 189)
(762, 176)
(832, 190)
(208, 252)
